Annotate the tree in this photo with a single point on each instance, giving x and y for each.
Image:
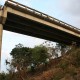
(39, 54)
(62, 48)
(24, 56)
(5, 76)
(21, 59)
(21, 55)
(2, 76)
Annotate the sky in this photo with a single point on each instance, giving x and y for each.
(65, 10)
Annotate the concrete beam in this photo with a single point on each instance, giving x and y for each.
(13, 11)
(1, 31)
(3, 15)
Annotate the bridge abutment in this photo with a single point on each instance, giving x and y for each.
(1, 32)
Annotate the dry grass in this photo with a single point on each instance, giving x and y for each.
(64, 68)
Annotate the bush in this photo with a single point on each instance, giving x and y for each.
(63, 64)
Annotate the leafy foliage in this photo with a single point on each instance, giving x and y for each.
(21, 55)
(39, 54)
(66, 67)
(24, 57)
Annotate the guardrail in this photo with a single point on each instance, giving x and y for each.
(41, 14)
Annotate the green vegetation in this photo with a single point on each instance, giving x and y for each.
(31, 63)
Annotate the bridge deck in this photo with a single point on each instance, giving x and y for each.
(28, 21)
(39, 14)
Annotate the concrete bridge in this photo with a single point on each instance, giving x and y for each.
(25, 20)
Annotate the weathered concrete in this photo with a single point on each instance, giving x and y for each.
(3, 15)
(22, 19)
(1, 31)
(16, 12)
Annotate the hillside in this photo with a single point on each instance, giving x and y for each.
(65, 68)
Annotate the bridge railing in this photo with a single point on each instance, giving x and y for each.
(41, 14)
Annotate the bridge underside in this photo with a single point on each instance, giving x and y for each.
(16, 23)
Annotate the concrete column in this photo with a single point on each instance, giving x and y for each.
(1, 31)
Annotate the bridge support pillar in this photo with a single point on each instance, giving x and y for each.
(1, 31)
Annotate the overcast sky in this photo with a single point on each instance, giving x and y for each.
(65, 10)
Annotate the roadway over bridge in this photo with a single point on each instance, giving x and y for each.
(25, 20)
